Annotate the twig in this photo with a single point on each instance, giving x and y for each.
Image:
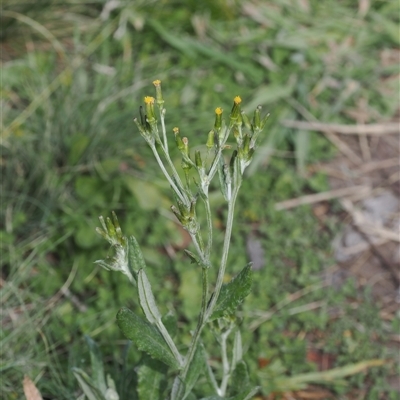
(380, 164)
(361, 129)
(344, 148)
(367, 227)
(316, 198)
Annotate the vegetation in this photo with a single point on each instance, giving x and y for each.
(73, 76)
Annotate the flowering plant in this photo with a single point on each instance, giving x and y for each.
(150, 334)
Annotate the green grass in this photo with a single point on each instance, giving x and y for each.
(70, 152)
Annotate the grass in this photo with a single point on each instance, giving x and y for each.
(71, 86)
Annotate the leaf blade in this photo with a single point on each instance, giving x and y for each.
(146, 337)
(233, 293)
(146, 299)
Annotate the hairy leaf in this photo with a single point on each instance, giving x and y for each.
(146, 336)
(239, 379)
(135, 257)
(233, 293)
(151, 379)
(196, 368)
(146, 298)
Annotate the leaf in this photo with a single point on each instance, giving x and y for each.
(237, 348)
(135, 256)
(146, 337)
(30, 390)
(146, 298)
(87, 385)
(300, 381)
(151, 379)
(170, 322)
(239, 378)
(195, 369)
(233, 293)
(96, 362)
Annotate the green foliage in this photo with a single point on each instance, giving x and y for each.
(69, 155)
(233, 293)
(146, 337)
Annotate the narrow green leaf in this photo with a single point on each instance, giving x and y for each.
(146, 337)
(96, 362)
(87, 385)
(146, 298)
(196, 368)
(233, 293)
(193, 258)
(237, 349)
(300, 381)
(135, 257)
(151, 379)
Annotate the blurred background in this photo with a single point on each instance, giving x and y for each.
(326, 291)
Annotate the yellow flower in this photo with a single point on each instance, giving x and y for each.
(149, 100)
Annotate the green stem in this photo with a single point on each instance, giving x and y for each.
(164, 131)
(200, 325)
(181, 196)
(169, 341)
(175, 175)
(225, 251)
(205, 311)
(209, 226)
(226, 372)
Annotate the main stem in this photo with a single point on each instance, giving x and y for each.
(225, 251)
(205, 311)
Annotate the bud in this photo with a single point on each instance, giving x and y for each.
(218, 119)
(246, 120)
(264, 121)
(178, 139)
(197, 159)
(246, 145)
(149, 104)
(192, 211)
(185, 142)
(235, 113)
(178, 215)
(257, 118)
(159, 98)
(210, 140)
